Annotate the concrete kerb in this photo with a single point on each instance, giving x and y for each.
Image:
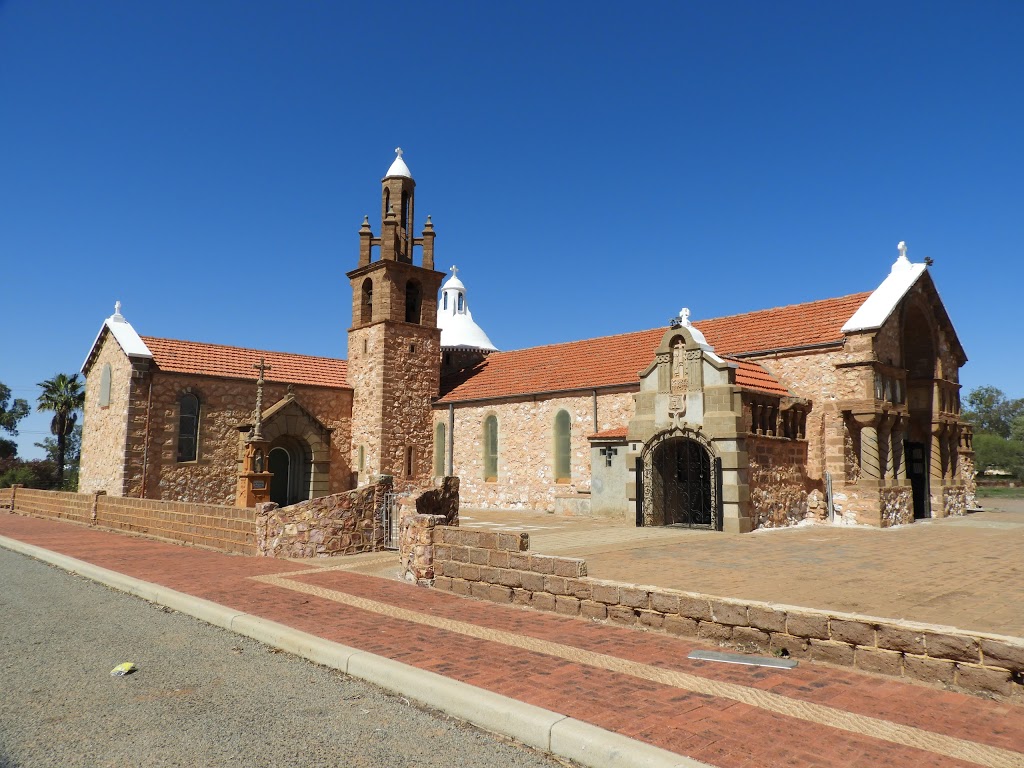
(540, 728)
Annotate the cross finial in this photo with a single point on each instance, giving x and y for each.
(117, 307)
(684, 316)
(455, 271)
(257, 430)
(902, 248)
(398, 151)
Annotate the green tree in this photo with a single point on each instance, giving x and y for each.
(63, 396)
(10, 414)
(995, 452)
(72, 456)
(989, 410)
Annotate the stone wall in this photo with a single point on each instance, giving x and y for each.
(954, 500)
(419, 515)
(814, 376)
(394, 369)
(897, 506)
(778, 481)
(526, 472)
(105, 429)
(231, 529)
(499, 567)
(224, 404)
(341, 524)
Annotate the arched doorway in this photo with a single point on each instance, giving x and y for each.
(279, 463)
(290, 462)
(680, 479)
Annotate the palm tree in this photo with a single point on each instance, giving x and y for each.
(63, 396)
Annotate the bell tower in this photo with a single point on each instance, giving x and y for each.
(394, 345)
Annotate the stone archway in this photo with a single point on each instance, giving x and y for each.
(306, 442)
(681, 480)
(290, 460)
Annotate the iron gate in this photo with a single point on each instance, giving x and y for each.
(389, 521)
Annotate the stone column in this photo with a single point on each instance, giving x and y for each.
(885, 458)
(869, 466)
(899, 460)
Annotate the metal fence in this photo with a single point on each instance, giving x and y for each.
(389, 521)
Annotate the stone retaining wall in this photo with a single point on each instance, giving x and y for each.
(341, 524)
(231, 529)
(499, 567)
(779, 485)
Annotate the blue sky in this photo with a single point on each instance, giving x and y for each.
(591, 167)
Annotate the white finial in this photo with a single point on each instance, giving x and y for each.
(117, 307)
(455, 270)
(398, 151)
(902, 262)
(684, 317)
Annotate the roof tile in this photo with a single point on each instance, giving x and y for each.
(203, 359)
(617, 360)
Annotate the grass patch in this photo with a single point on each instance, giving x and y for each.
(1000, 493)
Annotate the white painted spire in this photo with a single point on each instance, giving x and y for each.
(123, 333)
(458, 330)
(880, 304)
(398, 168)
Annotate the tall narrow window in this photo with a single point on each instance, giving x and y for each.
(491, 448)
(366, 305)
(563, 442)
(361, 459)
(439, 447)
(188, 427)
(412, 302)
(462, 301)
(408, 461)
(105, 386)
(444, 300)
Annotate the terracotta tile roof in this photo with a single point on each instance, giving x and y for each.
(617, 360)
(606, 434)
(752, 376)
(203, 359)
(796, 325)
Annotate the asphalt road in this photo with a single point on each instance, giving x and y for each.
(202, 696)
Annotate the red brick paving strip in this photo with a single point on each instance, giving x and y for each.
(708, 728)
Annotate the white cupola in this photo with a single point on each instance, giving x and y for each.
(398, 168)
(458, 330)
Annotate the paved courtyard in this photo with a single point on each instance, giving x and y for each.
(966, 572)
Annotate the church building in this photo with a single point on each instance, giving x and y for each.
(845, 408)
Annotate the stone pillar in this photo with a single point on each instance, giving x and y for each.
(885, 453)
(254, 480)
(899, 459)
(869, 464)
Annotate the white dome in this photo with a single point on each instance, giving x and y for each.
(398, 168)
(458, 330)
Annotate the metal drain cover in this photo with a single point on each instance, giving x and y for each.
(741, 658)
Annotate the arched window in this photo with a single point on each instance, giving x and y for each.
(188, 427)
(491, 448)
(366, 305)
(105, 386)
(412, 302)
(406, 211)
(563, 442)
(439, 447)
(444, 300)
(462, 301)
(387, 201)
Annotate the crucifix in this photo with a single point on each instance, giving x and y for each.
(398, 151)
(902, 248)
(608, 454)
(257, 431)
(455, 271)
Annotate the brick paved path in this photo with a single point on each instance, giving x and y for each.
(639, 684)
(966, 572)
